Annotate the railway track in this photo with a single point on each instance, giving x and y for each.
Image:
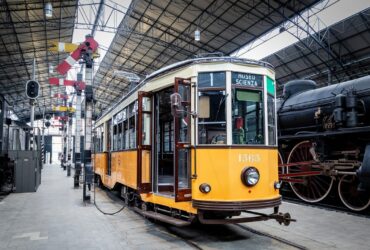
(284, 241)
(235, 236)
(238, 236)
(327, 206)
(198, 236)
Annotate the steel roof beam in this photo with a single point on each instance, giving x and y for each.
(98, 16)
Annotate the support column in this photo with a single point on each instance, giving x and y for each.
(64, 160)
(32, 103)
(88, 173)
(78, 140)
(64, 164)
(69, 140)
(43, 139)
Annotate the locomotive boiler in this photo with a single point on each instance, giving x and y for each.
(324, 139)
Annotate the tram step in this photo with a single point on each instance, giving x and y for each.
(163, 218)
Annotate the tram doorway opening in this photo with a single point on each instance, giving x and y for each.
(164, 144)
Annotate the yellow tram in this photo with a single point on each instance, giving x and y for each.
(195, 140)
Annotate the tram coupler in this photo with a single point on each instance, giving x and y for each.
(283, 218)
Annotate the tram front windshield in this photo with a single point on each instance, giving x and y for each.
(247, 117)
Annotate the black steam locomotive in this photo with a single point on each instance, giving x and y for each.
(324, 138)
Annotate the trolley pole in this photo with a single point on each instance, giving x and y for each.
(78, 134)
(69, 145)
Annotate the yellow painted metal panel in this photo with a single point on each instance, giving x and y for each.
(100, 163)
(124, 168)
(169, 202)
(145, 173)
(222, 168)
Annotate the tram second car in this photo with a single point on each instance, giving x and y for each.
(195, 141)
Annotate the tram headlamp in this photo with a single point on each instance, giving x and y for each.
(277, 185)
(205, 188)
(250, 176)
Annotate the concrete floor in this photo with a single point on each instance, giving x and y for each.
(318, 228)
(56, 218)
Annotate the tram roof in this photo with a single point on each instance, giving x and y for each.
(189, 62)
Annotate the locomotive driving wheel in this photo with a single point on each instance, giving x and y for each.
(308, 186)
(350, 196)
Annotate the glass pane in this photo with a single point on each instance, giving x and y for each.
(109, 141)
(168, 137)
(212, 80)
(247, 117)
(184, 91)
(146, 129)
(146, 104)
(115, 137)
(270, 86)
(119, 146)
(184, 170)
(212, 128)
(132, 132)
(271, 120)
(184, 120)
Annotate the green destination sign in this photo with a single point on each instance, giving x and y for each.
(246, 79)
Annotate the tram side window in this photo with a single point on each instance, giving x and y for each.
(271, 115)
(115, 137)
(99, 139)
(247, 117)
(132, 125)
(212, 108)
(123, 126)
(126, 134)
(109, 136)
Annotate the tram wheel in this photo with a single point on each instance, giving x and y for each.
(350, 196)
(308, 188)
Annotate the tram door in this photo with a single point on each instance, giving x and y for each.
(182, 141)
(144, 143)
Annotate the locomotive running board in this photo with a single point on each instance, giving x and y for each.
(163, 218)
